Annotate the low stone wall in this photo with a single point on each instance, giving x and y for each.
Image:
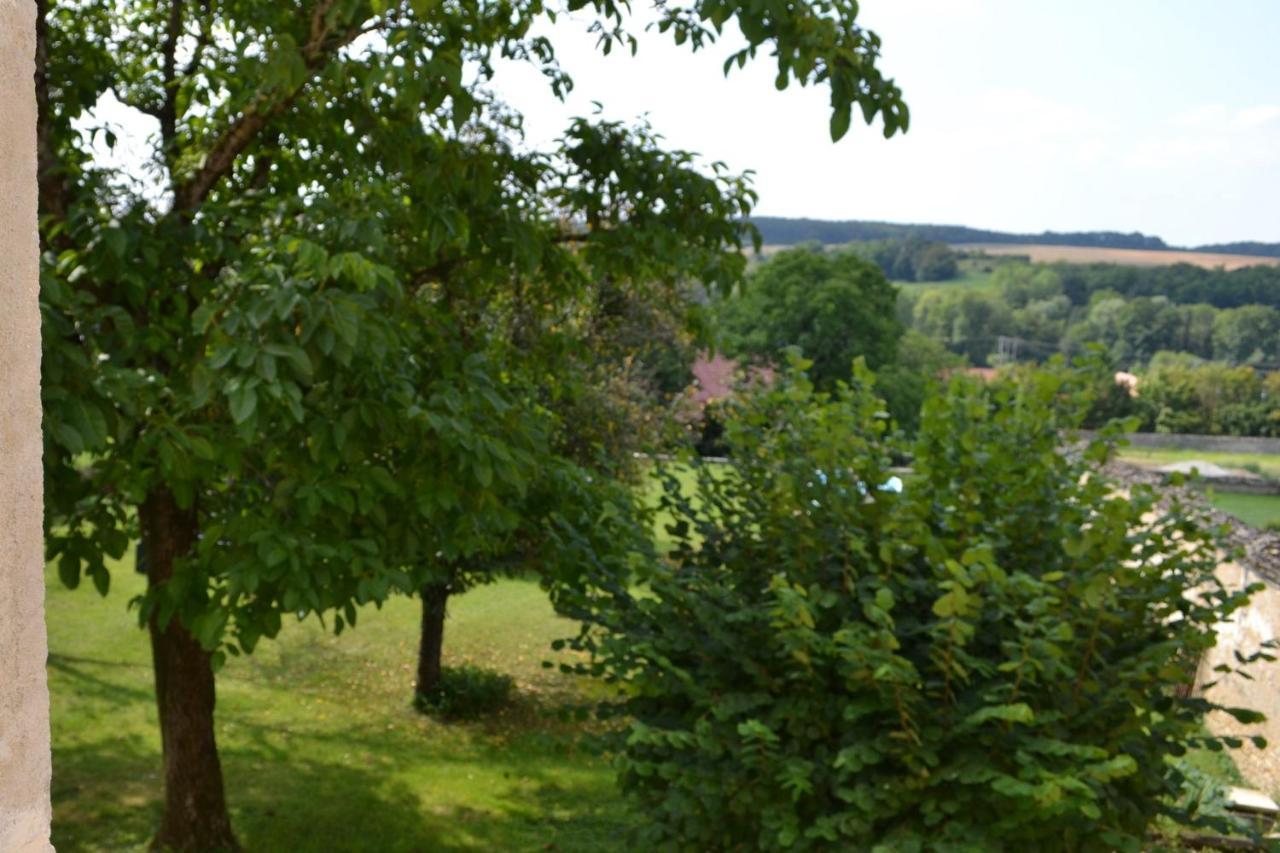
(1248, 629)
(1250, 485)
(1245, 634)
(1215, 443)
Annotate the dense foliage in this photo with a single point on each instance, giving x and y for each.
(1181, 394)
(832, 306)
(911, 258)
(986, 661)
(283, 354)
(1134, 312)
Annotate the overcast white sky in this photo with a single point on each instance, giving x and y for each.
(1155, 115)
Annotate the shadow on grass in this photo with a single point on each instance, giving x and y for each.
(363, 795)
(77, 671)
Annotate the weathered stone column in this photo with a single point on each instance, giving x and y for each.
(24, 694)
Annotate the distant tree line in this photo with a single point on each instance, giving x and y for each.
(1248, 247)
(785, 232)
(1032, 311)
(1178, 393)
(1205, 364)
(782, 231)
(1179, 283)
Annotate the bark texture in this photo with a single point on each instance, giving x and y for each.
(195, 809)
(435, 598)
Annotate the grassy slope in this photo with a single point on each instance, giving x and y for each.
(1254, 510)
(970, 277)
(319, 746)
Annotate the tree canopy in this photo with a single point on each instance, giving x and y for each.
(833, 307)
(267, 357)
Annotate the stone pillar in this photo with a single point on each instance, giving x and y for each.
(24, 694)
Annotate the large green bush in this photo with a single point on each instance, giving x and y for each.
(986, 661)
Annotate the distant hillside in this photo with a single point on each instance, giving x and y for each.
(1258, 250)
(780, 231)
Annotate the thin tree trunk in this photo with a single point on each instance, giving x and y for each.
(434, 599)
(195, 809)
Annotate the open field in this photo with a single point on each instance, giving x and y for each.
(971, 276)
(1131, 257)
(320, 748)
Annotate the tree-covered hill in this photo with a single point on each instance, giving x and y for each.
(784, 231)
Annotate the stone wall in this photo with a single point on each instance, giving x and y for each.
(1216, 443)
(1249, 628)
(24, 697)
(1244, 634)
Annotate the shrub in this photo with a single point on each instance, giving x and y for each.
(466, 692)
(985, 661)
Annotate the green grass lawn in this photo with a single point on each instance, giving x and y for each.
(968, 278)
(1254, 510)
(1260, 463)
(320, 748)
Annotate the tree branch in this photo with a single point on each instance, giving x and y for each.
(203, 39)
(169, 107)
(54, 193)
(322, 45)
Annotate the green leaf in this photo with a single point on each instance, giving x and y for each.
(884, 598)
(244, 403)
(840, 120)
(69, 570)
(1017, 712)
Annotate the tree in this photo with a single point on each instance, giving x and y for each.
(1246, 334)
(240, 356)
(936, 262)
(1021, 284)
(833, 307)
(983, 661)
(918, 370)
(911, 258)
(535, 448)
(968, 323)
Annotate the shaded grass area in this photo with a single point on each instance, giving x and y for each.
(1253, 510)
(1259, 463)
(320, 747)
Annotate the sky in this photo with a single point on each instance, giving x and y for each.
(1161, 116)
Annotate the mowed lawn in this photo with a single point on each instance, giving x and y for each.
(1267, 464)
(320, 748)
(1253, 510)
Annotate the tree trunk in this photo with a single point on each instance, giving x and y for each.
(434, 599)
(195, 808)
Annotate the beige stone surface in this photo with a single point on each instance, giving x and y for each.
(1245, 633)
(24, 697)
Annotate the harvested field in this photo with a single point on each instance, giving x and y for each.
(1132, 257)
